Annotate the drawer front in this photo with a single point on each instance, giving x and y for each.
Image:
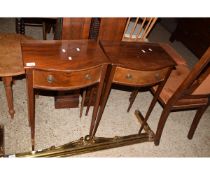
(66, 80)
(138, 78)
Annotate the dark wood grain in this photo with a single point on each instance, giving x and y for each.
(48, 55)
(143, 56)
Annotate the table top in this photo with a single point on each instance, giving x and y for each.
(62, 55)
(143, 56)
(10, 54)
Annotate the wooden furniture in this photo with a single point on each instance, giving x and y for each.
(79, 28)
(72, 29)
(45, 23)
(194, 33)
(184, 90)
(135, 65)
(112, 29)
(62, 65)
(11, 63)
(75, 28)
(137, 29)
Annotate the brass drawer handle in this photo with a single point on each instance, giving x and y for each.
(50, 79)
(129, 77)
(87, 77)
(157, 76)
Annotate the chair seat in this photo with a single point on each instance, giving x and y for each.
(174, 81)
(204, 88)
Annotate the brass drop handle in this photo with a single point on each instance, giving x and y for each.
(129, 77)
(157, 76)
(87, 77)
(50, 79)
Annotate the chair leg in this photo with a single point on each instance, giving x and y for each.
(82, 103)
(152, 105)
(161, 124)
(44, 31)
(95, 110)
(90, 100)
(196, 120)
(132, 99)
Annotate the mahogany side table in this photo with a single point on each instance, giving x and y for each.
(10, 63)
(135, 64)
(63, 65)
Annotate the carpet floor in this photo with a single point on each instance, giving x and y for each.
(59, 126)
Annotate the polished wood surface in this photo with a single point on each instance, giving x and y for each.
(137, 55)
(63, 65)
(136, 65)
(62, 55)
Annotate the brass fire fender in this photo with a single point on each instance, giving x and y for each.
(86, 145)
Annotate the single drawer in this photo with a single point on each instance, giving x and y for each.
(138, 78)
(57, 80)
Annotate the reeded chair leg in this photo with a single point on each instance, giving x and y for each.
(44, 30)
(196, 120)
(90, 100)
(82, 102)
(132, 99)
(161, 124)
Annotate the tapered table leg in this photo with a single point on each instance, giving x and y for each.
(31, 105)
(8, 88)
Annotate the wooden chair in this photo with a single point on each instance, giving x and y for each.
(184, 90)
(45, 23)
(137, 29)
